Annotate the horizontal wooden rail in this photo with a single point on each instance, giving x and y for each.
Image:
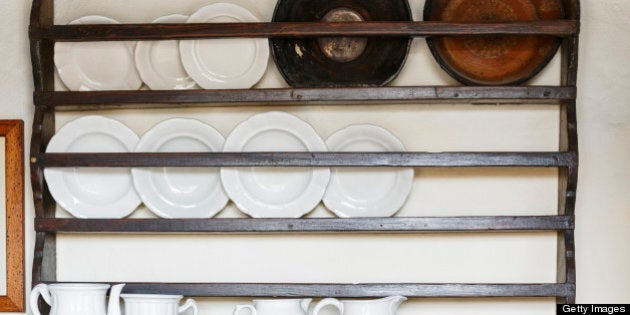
(353, 290)
(309, 159)
(114, 32)
(381, 95)
(372, 225)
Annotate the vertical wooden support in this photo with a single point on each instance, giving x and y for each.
(568, 142)
(42, 52)
(42, 59)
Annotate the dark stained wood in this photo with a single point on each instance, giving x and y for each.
(372, 225)
(44, 260)
(13, 133)
(42, 49)
(350, 290)
(43, 130)
(275, 97)
(569, 142)
(301, 29)
(570, 45)
(310, 159)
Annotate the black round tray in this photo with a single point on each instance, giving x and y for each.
(304, 63)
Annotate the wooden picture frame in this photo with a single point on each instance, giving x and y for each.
(13, 133)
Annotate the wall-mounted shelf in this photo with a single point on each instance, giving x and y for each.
(43, 35)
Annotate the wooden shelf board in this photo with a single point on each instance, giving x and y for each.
(309, 159)
(301, 96)
(356, 225)
(353, 290)
(100, 32)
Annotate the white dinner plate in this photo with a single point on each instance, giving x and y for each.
(95, 66)
(225, 63)
(181, 192)
(93, 193)
(159, 62)
(367, 192)
(275, 192)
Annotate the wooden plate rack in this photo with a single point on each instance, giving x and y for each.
(44, 34)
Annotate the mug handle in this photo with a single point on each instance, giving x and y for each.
(326, 302)
(239, 308)
(40, 289)
(190, 303)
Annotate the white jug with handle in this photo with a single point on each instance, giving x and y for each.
(154, 304)
(276, 307)
(77, 299)
(384, 306)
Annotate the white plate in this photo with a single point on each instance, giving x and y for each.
(93, 193)
(275, 192)
(97, 65)
(367, 192)
(159, 62)
(181, 192)
(225, 63)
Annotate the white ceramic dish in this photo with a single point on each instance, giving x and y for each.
(97, 65)
(159, 62)
(181, 192)
(93, 193)
(275, 192)
(367, 192)
(225, 63)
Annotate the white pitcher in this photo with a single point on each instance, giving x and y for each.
(276, 307)
(76, 299)
(154, 304)
(384, 306)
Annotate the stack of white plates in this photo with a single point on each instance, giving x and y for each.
(235, 63)
(261, 192)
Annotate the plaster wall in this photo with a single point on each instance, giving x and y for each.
(603, 216)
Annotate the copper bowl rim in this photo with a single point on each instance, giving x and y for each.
(428, 7)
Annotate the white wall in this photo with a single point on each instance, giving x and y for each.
(602, 209)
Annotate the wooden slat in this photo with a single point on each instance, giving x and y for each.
(382, 95)
(309, 159)
(373, 225)
(297, 29)
(351, 290)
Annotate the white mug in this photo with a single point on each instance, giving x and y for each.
(153, 304)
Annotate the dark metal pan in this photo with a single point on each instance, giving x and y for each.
(341, 61)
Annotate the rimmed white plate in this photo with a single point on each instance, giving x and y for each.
(181, 192)
(225, 63)
(93, 193)
(97, 65)
(159, 62)
(275, 192)
(367, 192)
